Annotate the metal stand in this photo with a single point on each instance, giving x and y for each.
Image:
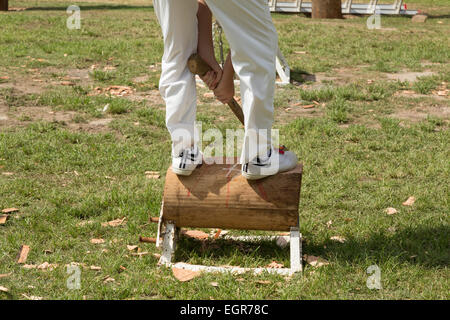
(348, 7)
(170, 235)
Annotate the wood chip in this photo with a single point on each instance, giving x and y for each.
(308, 106)
(154, 219)
(29, 266)
(263, 282)
(139, 254)
(67, 83)
(10, 210)
(275, 265)
(152, 174)
(338, 239)
(184, 275)
(95, 268)
(83, 223)
(391, 211)
(23, 254)
(3, 289)
(217, 235)
(114, 223)
(315, 261)
(214, 284)
(147, 239)
(108, 279)
(4, 275)
(47, 266)
(3, 218)
(197, 234)
(329, 223)
(97, 241)
(410, 201)
(132, 248)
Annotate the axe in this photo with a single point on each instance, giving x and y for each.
(198, 66)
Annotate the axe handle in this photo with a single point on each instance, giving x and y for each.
(198, 66)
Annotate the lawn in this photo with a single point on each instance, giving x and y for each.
(73, 157)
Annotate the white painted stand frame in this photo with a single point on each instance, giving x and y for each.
(170, 234)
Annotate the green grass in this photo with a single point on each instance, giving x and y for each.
(361, 155)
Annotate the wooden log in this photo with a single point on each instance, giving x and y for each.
(326, 9)
(218, 196)
(3, 5)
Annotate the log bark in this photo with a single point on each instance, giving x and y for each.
(218, 196)
(3, 5)
(326, 9)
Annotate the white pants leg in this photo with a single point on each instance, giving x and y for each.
(253, 42)
(178, 20)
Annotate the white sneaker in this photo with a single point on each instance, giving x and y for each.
(187, 161)
(279, 160)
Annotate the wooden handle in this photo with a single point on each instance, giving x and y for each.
(198, 66)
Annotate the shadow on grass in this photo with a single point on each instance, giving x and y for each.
(91, 7)
(226, 249)
(442, 16)
(428, 247)
(302, 76)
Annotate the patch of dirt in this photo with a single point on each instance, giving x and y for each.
(94, 126)
(79, 74)
(419, 114)
(412, 94)
(141, 79)
(339, 76)
(409, 76)
(23, 116)
(286, 115)
(26, 86)
(3, 114)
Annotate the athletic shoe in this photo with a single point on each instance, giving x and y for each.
(279, 160)
(187, 161)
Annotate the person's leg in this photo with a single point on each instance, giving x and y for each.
(253, 42)
(178, 20)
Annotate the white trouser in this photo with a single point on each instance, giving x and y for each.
(253, 42)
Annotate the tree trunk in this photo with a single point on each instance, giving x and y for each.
(3, 5)
(326, 9)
